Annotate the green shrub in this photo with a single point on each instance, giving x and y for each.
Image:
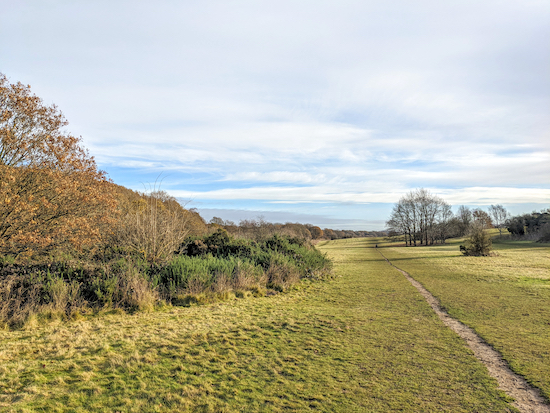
(478, 243)
(196, 274)
(210, 268)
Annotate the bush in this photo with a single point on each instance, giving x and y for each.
(223, 267)
(275, 250)
(64, 288)
(194, 275)
(478, 243)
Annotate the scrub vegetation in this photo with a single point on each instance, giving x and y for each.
(205, 269)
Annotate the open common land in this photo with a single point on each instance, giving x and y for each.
(363, 341)
(505, 298)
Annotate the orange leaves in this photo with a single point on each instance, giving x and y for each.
(26, 124)
(74, 217)
(51, 193)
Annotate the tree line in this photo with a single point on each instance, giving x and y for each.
(258, 228)
(533, 226)
(422, 218)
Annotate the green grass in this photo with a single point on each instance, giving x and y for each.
(505, 298)
(365, 341)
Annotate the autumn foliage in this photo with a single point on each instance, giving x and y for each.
(51, 193)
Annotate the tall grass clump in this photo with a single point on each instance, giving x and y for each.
(208, 273)
(64, 289)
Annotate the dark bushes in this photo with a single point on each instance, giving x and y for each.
(544, 233)
(534, 226)
(206, 268)
(277, 249)
(64, 289)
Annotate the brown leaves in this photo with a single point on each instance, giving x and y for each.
(26, 125)
(51, 193)
(40, 217)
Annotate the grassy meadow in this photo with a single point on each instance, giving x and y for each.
(364, 341)
(505, 298)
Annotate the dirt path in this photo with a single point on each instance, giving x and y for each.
(527, 398)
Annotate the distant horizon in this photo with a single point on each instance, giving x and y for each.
(317, 112)
(237, 215)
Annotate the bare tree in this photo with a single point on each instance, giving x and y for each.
(444, 219)
(154, 225)
(499, 214)
(421, 217)
(217, 221)
(403, 219)
(482, 218)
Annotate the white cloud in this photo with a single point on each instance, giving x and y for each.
(328, 194)
(277, 176)
(352, 101)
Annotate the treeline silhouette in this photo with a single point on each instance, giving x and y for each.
(253, 228)
(533, 226)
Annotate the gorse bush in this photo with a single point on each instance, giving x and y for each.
(276, 262)
(281, 260)
(221, 244)
(203, 273)
(131, 282)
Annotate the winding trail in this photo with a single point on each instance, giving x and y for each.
(527, 398)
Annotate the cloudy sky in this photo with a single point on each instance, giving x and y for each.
(324, 112)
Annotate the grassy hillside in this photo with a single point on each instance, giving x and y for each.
(505, 298)
(365, 341)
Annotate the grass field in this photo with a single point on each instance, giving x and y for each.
(505, 298)
(365, 341)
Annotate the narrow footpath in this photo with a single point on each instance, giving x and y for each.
(527, 398)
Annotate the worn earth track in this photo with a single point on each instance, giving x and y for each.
(527, 398)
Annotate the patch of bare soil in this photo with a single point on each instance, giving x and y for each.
(527, 398)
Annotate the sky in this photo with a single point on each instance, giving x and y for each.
(321, 112)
